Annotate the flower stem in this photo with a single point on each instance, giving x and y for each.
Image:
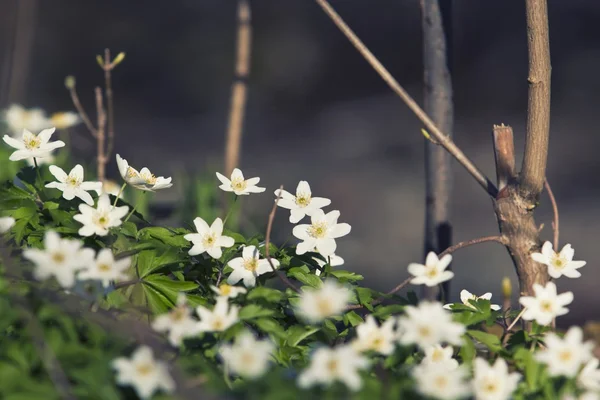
(37, 170)
(230, 209)
(132, 211)
(119, 194)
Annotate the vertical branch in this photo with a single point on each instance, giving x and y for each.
(108, 66)
(239, 88)
(438, 105)
(533, 171)
(504, 152)
(101, 115)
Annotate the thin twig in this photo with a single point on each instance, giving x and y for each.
(400, 286)
(445, 141)
(101, 115)
(516, 320)
(555, 211)
(466, 243)
(81, 111)
(281, 276)
(533, 170)
(108, 66)
(239, 88)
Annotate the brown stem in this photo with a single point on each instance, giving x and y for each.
(101, 115)
(533, 171)
(281, 276)
(467, 243)
(81, 111)
(444, 140)
(239, 88)
(108, 66)
(555, 226)
(504, 152)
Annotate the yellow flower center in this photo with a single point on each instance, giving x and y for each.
(377, 343)
(104, 267)
(144, 369)
(178, 314)
(318, 230)
(247, 359)
(225, 289)
(238, 184)
(424, 331)
(32, 142)
(101, 219)
(150, 179)
(546, 305)
(431, 272)
(565, 356)
(440, 381)
(250, 264)
(302, 199)
(324, 307)
(73, 181)
(58, 257)
(332, 366)
(131, 173)
(437, 355)
(217, 324)
(559, 262)
(209, 239)
(490, 386)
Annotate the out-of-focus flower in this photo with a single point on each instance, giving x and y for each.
(249, 266)
(105, 268)
(238, 185)
(317, 304)
(72, 185)
(372, 337)
(64, 119)
(559, 264)
(546, 304)
(436, 381)
(225, 290)
(221, 317)
(441, 355)
(145, 374)
(6, 223)
(493, 382)
(565, 356)
(178, 322)
(100, 219)
(433, 272)
(466, 296)
(61, 258)
(209, 239)
(302, 203)
(111, 187)
(247, 357)
(321, 233)
(31, 145)
(17, 119)
(327, 365)
(589, 377)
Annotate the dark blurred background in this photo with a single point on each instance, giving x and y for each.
(316, 111)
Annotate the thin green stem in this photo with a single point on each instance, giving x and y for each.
(119, 194)
(230, 209)
(132, 211)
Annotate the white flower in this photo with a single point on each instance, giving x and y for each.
(144, 179)
(219, 319)
(493, 382)
(334, 261)
(111, 187)
(6, 223)
(208, 239)
(565, 356)
(238, 185)
(61, 258)
(247, 357)
(321, 233)
(225, 290)
(466, 296)
(438, 354)
(105, 268)
(100, 219)
(559, 264)
(589, 377)
(32, 145)
(249, 266)
(433, 272)
(429, 324)
(372, 337)
(129, 174)
(72, 185)
(435, 380)
(302, 203)
(64, 120)
(18, 118)
(546, 305)
(145, 374)
(338, 364)
(582, 396)
(178, 322)
(317, 304)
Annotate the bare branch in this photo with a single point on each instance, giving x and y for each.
(467, 243)
(533, 171)
(80, 110)
(281, 276)
(443, 139)
(239, 88)
(555, 226)
(101, 115)
(108, 66)
(504, 151)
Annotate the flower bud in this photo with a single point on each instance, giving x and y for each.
(506, 288)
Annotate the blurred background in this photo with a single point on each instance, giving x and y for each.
(316, 111)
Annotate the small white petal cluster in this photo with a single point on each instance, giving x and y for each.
(72, 185)
(228, 291)
(317, 304)
(437, 381)
(30, 145)
(466, 297)
(565, 356)
(100, 219)
(341, 363)
(247, 357)
(178, 322)
(321, 233)
(428, 324)
(209, 239)
(144, 373)
(106, 269)
(238, 185)
(559, 264)
(493, 382)
(372, 337)
(249, 266)
(220, 318)
(433, 272)
(440, 355)
(302, 203)
(6, 223)
(546, 304)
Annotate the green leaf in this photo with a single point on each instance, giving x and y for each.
(346, 276)
(149, 261)
(169, 287)
(383, 312)
(305, 277)
(164, 235)
(129, 229)
(489, 340)
(157, 302)
(298, 333)
(467, 351)
(525, 362)
(270, 325)
(351, 318)
(267, 294)
(365, 297)
(252, 311)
